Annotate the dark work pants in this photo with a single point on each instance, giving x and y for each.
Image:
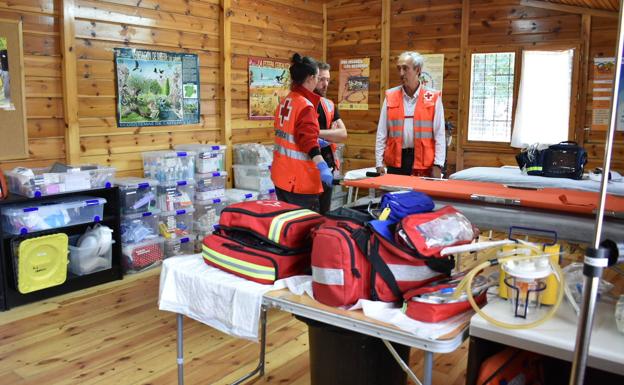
(407, 162)
(307, 201)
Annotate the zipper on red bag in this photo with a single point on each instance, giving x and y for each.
(241, 249)
(252, 214)
(299, 221)
(354, 270)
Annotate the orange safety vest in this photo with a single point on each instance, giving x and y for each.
(293, 170)
(329, 109)
(424, 142)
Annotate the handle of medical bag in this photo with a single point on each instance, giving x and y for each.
(372, 174)
(534, 230)
(381, 268)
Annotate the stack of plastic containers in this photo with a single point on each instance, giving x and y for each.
(252, 169)
(142, 246)
(210, 181)
(175, 195)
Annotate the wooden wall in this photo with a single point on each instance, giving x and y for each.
(453, 27)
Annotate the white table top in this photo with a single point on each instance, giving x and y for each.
(557, 337)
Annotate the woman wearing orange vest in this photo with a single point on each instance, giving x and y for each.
(298, 169)
(410, 134)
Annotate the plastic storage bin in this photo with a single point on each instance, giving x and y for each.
(169, 166)
(179, 246)
(253, 154)
(87, 260)
(208, 157)
(256, 178)
(207, 213)
(137, 195)
(26, 218)
(176, 195)
(140, 256)
(37, 182)
(136, 228)
(176, 224)
(210, 186)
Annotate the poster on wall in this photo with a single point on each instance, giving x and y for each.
(353, 82)
(602, 87)
(5, 78)
(156, 88)
(619, 126)
(432, 75)
(269, 81)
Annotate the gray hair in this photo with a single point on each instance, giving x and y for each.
(413, 57)
(323, 66)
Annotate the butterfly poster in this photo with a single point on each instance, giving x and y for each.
(269, 81)
(156, 88)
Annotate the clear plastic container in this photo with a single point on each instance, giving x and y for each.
(176, 195)
(207, 213)
(208, 157)
(267, 195)
(256, 178)
(236, 195)
(176, 224)
(198, 238)
(169, 166)
(210, 185)
(137, 195)
(26, 218)
(87, 260)
(37, 182)
(141, 256)
(338, 200)
(253, 154)
(179, 246)
(619, 314)
(136, 228)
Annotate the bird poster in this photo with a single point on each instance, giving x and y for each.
(156, 88)
(353, 83)
(269, 81)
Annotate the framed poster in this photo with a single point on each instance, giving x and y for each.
(156, 88)
(602, 88)
(432, 75)
(353, 81)
(14, 143)
(269, 81)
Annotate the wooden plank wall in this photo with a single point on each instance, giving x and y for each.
(44, 95)
(354, 30)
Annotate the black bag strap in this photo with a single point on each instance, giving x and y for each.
(380, 267)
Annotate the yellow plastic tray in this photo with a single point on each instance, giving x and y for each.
(42, 262)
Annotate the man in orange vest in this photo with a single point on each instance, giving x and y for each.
(298, 170)
(410, 134)
(332, 131)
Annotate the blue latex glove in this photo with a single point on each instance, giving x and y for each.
(326, 174)
(323, 142)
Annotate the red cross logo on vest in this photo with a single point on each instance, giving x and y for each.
(428, 96)
(285, 111)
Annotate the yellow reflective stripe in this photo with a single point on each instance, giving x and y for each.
(279, 221)
(245, 268)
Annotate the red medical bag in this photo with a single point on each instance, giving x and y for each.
(436, 312)
(283, 224)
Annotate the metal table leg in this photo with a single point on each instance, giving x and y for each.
(260, 368)
(180, 344)
(428, 370)
(403, 365)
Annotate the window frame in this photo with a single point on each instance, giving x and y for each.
(505, 147)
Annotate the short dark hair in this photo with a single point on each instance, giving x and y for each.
(301, 68)
(324, 66)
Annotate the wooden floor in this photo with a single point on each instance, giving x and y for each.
(115, 334)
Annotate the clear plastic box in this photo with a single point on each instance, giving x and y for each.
(207, 213)
(141, 256)
(139, 227)
(137, 195)
(198, 238)
(256, 178)
(176, 224)
(208, 157)
(37, 182)
(179, 246)
(87, 260)
(169, 166)
(27, 217)
(235, 195)
(176, 195)
(210, 185)
(253, 154)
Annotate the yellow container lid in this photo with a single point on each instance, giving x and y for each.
(42, 262)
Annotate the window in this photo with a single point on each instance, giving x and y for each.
(543, 111)
(491, 97)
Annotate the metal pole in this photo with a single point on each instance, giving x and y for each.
(180, 319)
(595, 261)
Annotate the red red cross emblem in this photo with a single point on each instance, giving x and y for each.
(285, 111)
(428, 96)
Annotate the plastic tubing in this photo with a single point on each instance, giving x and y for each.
(467, 285)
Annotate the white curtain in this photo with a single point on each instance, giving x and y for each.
(543, 109)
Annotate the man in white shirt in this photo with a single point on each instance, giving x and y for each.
(410, 135)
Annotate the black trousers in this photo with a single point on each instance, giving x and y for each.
(307, 201)
(407, 162)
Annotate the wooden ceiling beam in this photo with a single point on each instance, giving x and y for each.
(569, 8)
